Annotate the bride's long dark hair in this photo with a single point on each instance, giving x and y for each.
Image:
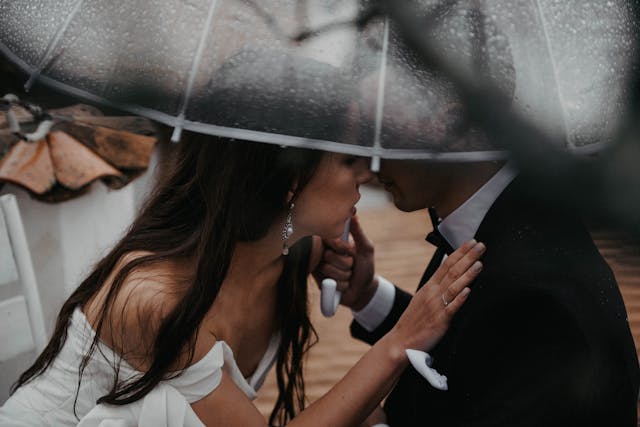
(214, 193)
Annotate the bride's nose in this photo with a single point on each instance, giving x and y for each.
(364, 172)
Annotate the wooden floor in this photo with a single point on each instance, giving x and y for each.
(401, 255)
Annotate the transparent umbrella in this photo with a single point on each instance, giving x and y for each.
(230, 68)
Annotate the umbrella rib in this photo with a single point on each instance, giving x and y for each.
(375, 159)
(344, 148)
(53, 44)
(554, 67)
(257, 136)
(177, 131)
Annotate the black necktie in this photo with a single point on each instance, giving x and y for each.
(442, 247)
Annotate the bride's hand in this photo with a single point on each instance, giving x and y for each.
(376, 418)
(427, 317)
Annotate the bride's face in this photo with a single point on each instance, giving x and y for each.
(329, 199)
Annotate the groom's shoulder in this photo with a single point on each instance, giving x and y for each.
(547, 251)
(536, 235)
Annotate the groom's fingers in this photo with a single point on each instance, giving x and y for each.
(343, 262)
(363, 244)
(339, 246)
(342, 286)
(337, 274)
(452, 291)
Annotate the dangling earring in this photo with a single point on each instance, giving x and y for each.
(287, 230)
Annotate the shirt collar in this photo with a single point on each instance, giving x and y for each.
(462, 224)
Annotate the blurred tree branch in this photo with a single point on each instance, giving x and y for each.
(606, 186)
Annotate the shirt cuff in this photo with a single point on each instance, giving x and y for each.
(373, 314)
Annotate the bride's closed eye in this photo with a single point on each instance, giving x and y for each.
(350, 160)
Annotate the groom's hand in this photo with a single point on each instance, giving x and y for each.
(351, 265)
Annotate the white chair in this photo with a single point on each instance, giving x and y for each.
(16, 266)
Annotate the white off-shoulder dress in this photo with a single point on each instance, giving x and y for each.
(49, 399)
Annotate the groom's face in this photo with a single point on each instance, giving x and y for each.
(413, 184)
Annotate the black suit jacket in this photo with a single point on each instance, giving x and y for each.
(543, 339)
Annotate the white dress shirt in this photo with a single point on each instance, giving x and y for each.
(458, 227)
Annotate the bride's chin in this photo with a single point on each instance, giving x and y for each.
(333, 234)
(340, 230)
(333, 231)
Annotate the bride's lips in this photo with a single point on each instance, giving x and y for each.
(353, 209)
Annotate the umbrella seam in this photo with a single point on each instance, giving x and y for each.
(375, 160)
(192, 73)
(53, 44)
(543, 23)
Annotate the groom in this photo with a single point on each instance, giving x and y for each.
(543, 339)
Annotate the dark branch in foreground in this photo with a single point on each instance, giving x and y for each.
(605, 186)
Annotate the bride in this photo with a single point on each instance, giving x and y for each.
(180, 322)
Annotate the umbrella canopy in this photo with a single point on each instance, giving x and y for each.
(229, 68)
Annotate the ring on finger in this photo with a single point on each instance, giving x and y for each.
(444, 299)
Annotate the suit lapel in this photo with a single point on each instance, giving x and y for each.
(435, 262)
(497, 213)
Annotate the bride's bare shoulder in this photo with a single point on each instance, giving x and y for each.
(139, 304)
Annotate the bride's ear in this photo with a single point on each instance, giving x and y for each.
(293, 192)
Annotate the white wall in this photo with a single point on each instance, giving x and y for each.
(65, 240)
